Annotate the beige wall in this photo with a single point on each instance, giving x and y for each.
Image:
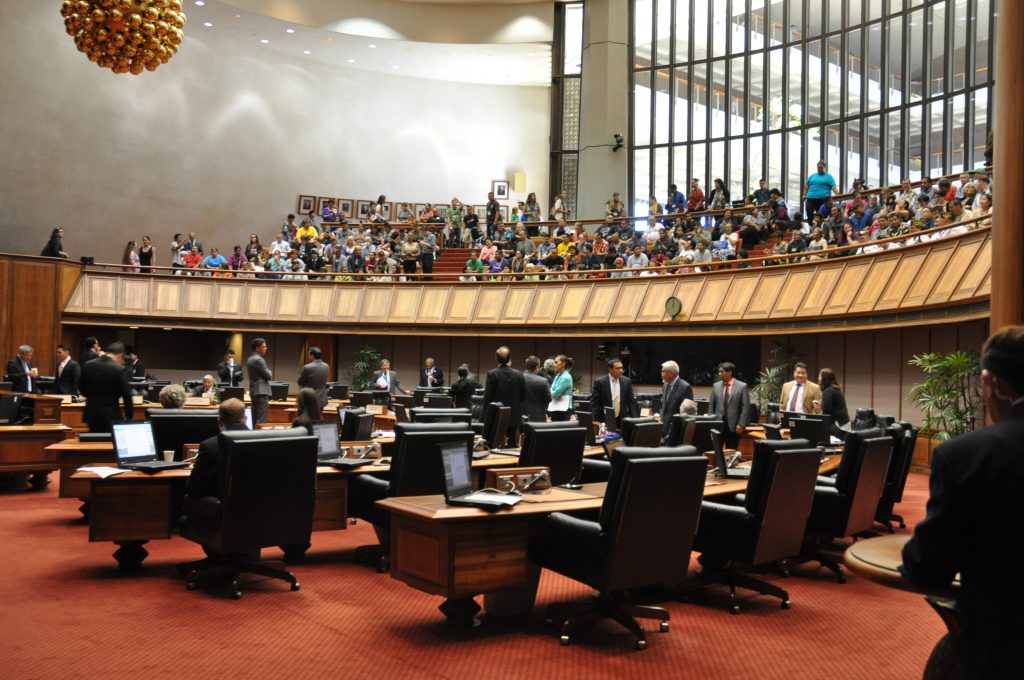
(223, 138)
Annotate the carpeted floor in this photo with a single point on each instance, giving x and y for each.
(66, 612)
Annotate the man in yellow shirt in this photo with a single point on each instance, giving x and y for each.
(563, 245)
(307, 230)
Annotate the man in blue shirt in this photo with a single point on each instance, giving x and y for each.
(214, 260)
(861, 218)
(761, 195)
(818, 186)
(676, 202)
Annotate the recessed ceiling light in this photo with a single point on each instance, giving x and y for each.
(200, 3)
(351, 61)
(395, 66)
(207, 24)
(133, 328)
(306, 52)
(264, 41)
(238, 16)
(530, 54)
(372, 46)
(289, 30)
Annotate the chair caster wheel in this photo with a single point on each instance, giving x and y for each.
(641, 644)
(786, 604)
(663, 627)
(840, 579)
(735, 609)
(564, 640)
(295, 586)
(190, 586)
(235, 595)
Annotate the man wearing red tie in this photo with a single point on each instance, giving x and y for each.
(731, 400)
(799, 394)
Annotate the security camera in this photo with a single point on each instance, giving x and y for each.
(619, 142)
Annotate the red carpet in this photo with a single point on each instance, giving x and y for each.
(67, 612)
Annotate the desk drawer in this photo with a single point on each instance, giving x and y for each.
(129, 512)
(490, 560)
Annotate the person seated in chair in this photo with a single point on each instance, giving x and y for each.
(172, 396)
(205, 477)
(204, 390)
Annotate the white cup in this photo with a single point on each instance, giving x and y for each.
(168, 456)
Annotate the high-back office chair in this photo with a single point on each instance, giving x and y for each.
(425, 414)
(175, 427)
(848, 506)
(266, 497)
(767, 526)
(698, 433)
(495, 424)
(629, 427)
(773, 414)
(560, 449)
(642, 537)
(10, 404)
(904, 437)
(438, 400)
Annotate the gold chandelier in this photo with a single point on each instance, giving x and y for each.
(125, 36)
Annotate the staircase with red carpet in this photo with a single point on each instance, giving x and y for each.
(450, 263)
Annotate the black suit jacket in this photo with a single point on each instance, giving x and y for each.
(462, 390)
(103, 383)
(601, 396)
(438, 376)
(17, 376)
(205, 477)
(671, 401)
(87, 356)
(230, 376)
(67, 381)
(506, 384)
(538, 396)
(972, 526)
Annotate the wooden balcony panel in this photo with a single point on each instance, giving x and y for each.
(768, 291)
(949, 280)
(198, 299)
(688, 291)
(377, 304)
(432, 303)
(897, 287)
(976, 274)
(936, 261)
(711, 299)
(405, 303)
(793, 293)
(574, 303)
(518, 305)
(874, 283)
(826, 278)
(631, 296)
(461, 304)
(546, 303)
(348, 303)
(850, 281)
(489, 304)
(653, 308)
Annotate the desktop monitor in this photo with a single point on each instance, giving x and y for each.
(496, 420)
(677, 429)
(175, 427)
(360, 398)
(382, 397)
(559, 449)
(586, 420)
(326, 433)
(232, 393)
(419, 394)
(356, 425)
(279, 391)
(698, 433)
(436, 400)
(816, 429)
(338, 392)
(422, 414)
(416, 467)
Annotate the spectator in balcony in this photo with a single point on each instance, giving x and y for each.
(356, 263)
(817, 188)
(295, 272)
(695, 200)
(702, 257)
(614, 207)
(796, 246)
(958, 191)
(637, 259)
(984, 211)
(405, 213)
(237, 259)
(193, 260)
(908, 193)
(131, 258)
(718, 199)
(328, 214)
(314, 263)
(193, 241)
(55, 246)
(861, 218)
(927, 189)
(177, 253)
(761, 195)
(854, 201)
(970, 197)
(214, 260)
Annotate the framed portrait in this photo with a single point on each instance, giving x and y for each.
(362, 209)
(322, 202)
(442, 208)
(387, 210)
(419, 208)
(503, 211)
(500, 188)
(306, 203)
(345, 205)
(481, 212)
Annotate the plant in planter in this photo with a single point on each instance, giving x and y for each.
(366, 360)
(949, 397)
(774, 375)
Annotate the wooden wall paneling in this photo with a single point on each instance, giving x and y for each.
(230, 301)
(652, 309)
(831, 353)
(68, 275)
(198, 300)
(134, 296)
(520, 347)
(825, 279)
(101, 296)
(440, 349)
(326, 345)
(289, 302)
(943, 339)
(376, 304)
(580, 351)
(286, 356)
(913, 341)
(742, 289)
(76, 301)
(767, 292)
(859, 348)
(8, 345)
(901, 280)
(406, 359)
(978, 269)
(960, 262)
(518, 304)
(793, 292)
(461, 304)
(971, 336)
(347, 346)
(31, 310)
(937, 261)
(711, 298)
(546, 304)
(866, 297)
(433, 303)
(574, 303)
(319, 303)
(167, 297)
(599, 307)
(466, 349)
(490, 303)
(688, 291)
(846, 289)
(348, 303)
(405, 304)
(985, 288)
(886, 392)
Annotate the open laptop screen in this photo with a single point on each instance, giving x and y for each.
(457, 478)
(133, 442)
(248, 417)
(326, 433)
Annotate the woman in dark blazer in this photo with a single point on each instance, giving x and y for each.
(463, 389)
(832, 403)
(307, 409)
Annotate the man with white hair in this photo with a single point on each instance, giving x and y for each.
(673, 392)
(21, 372)
(206, 389)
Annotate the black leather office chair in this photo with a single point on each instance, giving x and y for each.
(266, 498)
(904, 440)
(767, 526)
(438, 400)
(846, 507)
(698, 432)
(175, 427)
(643, 537)
(773, 414)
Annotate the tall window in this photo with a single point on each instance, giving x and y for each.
(741, 90)
(566, 69)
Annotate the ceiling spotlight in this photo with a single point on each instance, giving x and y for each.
(351, 61)
(264, 41)
(200, 3)
(395, 66)
(372, 47)
(289, 30)
(207, 24)
(306, 52)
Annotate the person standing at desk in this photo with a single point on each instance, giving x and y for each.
(799, 394)
(21, 372)
(506, 384)
(832, 402)
(314, 375)
(68, 372)
(537, 392)
(386, 379)
(731, 400)
(229, 370)
(259, 380)
(430, 374)
(614, 390)
(103, 383)
(673, 392)
(463, 389)
(974, 516)
(560, 406)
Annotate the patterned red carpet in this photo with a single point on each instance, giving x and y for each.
(67, 612)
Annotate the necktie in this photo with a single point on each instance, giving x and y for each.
(792, 399)
(725, 397)
(27, 376)
(615, 400)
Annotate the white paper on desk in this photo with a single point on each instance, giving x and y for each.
(559, 403)
(835, 441)
(102, 471)
(490, 497)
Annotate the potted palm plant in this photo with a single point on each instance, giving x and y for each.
(949, 397)
(365, 361)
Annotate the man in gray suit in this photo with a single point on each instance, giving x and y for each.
(386, 379)
(259, 380)
(538, 392)
(731, 400)
(674, 391)
(314, 375)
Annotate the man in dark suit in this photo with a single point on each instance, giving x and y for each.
(974, 516)
(386, 379)
(68, 372)
(205, 477)
(431, 375)
(615, 391)
(506, 384)
(103, 383)
(731, 400)
(463, 389)
(259, 380)
(133, 365)
(21, 372)
(314, 375)
(90, 351)
(229, 371)
(673, 392)
(537, 391)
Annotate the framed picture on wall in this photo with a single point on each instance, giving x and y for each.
(481, 212)
(500, 188)
(387, 210)
(345, 205)
(442, 209)
(362, 209)
(503, 211)
(322, 202)
(306, 203)
(419, 208)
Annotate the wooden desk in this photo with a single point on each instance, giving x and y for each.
(44, 409)
(24, 448)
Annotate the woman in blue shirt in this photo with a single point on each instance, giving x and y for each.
(817, 188)
(561, 390)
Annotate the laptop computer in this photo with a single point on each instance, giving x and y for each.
(328, 448)
(458, 481)
(136, 450)
(724, 466)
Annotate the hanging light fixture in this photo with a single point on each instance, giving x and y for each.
(126, 36)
